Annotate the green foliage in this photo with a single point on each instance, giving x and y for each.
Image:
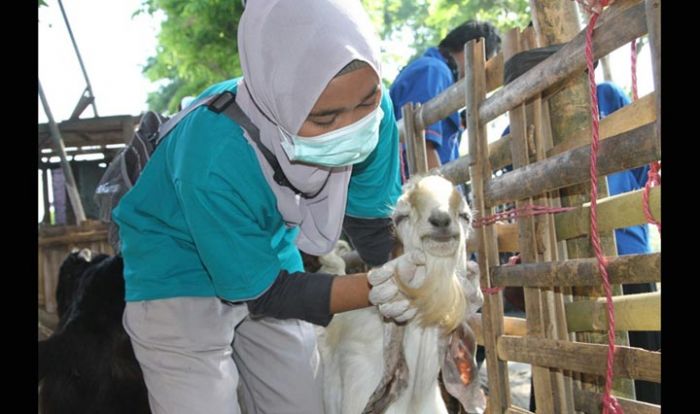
(197, 42)
(197, 47)
(430, 20)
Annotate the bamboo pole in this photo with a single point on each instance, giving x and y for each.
(548, 395)
(80, 60)
(590, 402)
(492, 310)
(633, 268)
(45, 195)
(628, 150)
(637, 312)
(609, 35)
(507, 236)
(622, 210)
(634, 115)
(511, 326)
(452, 99)
(629, 362)
(411, 151)
(569, 111)
(639, 113)
(653, 15)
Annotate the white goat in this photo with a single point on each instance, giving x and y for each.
(372, 365)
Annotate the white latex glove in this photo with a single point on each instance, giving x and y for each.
(385, 293)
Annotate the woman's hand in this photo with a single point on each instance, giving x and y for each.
(385, 293)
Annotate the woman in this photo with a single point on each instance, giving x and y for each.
(215, 286)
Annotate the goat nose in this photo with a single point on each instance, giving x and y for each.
(439, 219)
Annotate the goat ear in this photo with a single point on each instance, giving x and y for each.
(460, 372)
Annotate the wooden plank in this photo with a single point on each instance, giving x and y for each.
(590, 402)
(634, 115)
(628, 150)
(82, 237)
(452, 99)
(511, 326)
(637, 312)
(653, 16)
(548, 394)
(622, 210)
(608, 36)
(492, 310)
(494, 72)
(514, 409)
(90, 131)
(411, 158)
(637, 114)
(569, 111)
(635, 363)
(633, 268)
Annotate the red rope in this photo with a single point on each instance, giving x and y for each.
(610, 404)
(523, 211)
(653, 178)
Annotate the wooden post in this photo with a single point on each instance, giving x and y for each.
(60, 149)
(415, 141)
(637, 312)
(45, 195)
(551, 392)
(480, 171)
(546, 394)
(653, 12)
(556, 22)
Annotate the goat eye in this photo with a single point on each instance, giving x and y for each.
(399, 218)
(465, 216)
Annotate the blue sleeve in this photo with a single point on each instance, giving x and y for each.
(423, 84)
(610, 98)
(375, 184)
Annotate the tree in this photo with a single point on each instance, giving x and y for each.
(197, 42)
(196, 48)
(427, 21)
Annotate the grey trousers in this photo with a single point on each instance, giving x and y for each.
(193, 351)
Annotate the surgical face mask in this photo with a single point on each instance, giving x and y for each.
(344, 146)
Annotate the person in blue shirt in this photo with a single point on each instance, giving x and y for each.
(432, 73)
(633, 239)
(211, 233)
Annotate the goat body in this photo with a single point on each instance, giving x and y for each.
(360, 350)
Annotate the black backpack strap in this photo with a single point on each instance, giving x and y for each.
(171, 123)
(226, 102)
(233, 111)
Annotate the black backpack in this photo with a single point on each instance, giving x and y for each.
(126, 167)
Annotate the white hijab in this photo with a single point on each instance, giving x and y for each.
(289, 51)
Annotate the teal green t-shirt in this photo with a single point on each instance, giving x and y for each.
(202, 220)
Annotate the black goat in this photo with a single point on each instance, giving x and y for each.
(88, 364)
